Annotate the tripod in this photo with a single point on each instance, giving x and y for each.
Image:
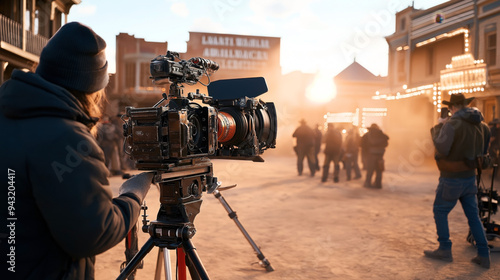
(180, 196)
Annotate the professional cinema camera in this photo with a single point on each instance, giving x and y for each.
(178, 140)
(238, 126)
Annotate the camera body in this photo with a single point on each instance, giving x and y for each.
(234, 125)
(158, 136)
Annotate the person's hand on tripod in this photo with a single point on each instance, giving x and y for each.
(138, 185)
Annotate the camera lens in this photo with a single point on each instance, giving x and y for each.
(232, 126)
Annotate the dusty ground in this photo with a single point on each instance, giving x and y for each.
(313, 230)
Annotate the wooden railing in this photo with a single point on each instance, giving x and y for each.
(11, 32)
(35, 43)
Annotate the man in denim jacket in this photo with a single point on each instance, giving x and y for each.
(460, 142)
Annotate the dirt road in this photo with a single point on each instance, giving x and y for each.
(313, 230)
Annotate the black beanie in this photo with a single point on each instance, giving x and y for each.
(74, 58)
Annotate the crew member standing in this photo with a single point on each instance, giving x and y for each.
(374, 143)
(318, 135)
(305, 147)
(460, 144)
(351, 153)
(333, 148)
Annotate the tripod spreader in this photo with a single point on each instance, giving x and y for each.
(171, 235)
(263, 261)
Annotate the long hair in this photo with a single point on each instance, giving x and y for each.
(92, 104)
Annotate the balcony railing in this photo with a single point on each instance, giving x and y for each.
(11, 32)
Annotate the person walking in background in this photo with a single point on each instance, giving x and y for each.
(305, 147)
(333, 148)
(351, 153)
(318, 135)
(374, 143)
(110, 139)
(106, 138)
(494, 149)
(461, 142)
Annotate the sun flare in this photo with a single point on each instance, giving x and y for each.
(322, 89)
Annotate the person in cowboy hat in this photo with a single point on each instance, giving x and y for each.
(462, 139)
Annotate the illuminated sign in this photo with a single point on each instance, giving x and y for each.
(464, 74)
(344, 117)
(367, 115)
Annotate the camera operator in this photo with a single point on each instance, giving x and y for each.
(460, 141)
(62, 215)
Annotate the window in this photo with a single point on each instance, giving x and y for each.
(491, 48)
(129, 75)
(403, 24)
(37, 22)
(145, 80)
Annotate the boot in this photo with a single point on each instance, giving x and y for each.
(439, 254)
(482, 261)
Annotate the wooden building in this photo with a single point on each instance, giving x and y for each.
(446, 49)
(25, 28)
(238, 56)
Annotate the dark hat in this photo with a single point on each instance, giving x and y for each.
(458, 99)
(74, 58)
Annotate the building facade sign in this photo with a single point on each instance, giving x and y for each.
(236, 52)
(464, 74)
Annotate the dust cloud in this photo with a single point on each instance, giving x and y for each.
(407, 121)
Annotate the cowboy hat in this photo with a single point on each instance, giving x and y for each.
(458, 98)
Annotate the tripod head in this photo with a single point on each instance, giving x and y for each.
(181, 187)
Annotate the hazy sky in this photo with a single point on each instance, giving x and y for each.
(316, 35)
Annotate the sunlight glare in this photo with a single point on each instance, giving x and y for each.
(322, 89)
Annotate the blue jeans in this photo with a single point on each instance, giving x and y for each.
(449, 191)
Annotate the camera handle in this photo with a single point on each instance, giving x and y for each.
(232, 215)
(165, 97)
(197, 95)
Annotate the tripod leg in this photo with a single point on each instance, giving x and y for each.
(263, 261)
(159, 261)
(168, 268)
(163, 259)
(181, 264)
(193, 261)
(136, 260)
